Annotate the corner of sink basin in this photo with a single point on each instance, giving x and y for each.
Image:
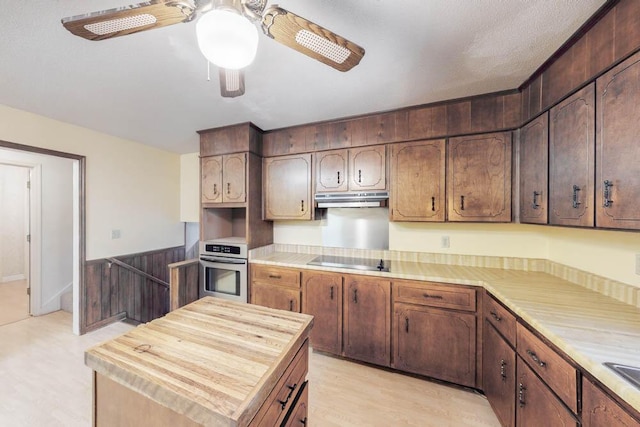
(629, 373)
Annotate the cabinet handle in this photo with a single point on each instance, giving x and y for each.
(536, 359)
(303, 421)
(215, 188)
(338, 177)
(275, 276)
(432, 296)
(290, 305)
(535, 204)
(576, 203)
(433, 204)
(461, 203)
(521, 389)
(359, 175)
(301, 205)
(495, 316)
(607, 194)
(228, 188)
(503, 371)
(291, 389)
(332, 292)
(406, 324)
(355, 296)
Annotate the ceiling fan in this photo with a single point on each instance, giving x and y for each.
(226, 32)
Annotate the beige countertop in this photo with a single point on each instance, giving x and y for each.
(214, 360)
(588, 326)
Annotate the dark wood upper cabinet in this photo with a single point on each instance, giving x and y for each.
(287, 187)
(224, 178)
(571, 160)
(479, 178)
(368, 168)
(534, 167)
(617, 147)
(331, 171)
(417, 181)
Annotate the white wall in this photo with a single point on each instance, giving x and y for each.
(13, 224)
(130, 187)
(190, 187)
(55, 226)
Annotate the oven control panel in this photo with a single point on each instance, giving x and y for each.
(222, 249)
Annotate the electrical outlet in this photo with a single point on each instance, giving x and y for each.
(115, 234)
(638, 264)
(444, 242)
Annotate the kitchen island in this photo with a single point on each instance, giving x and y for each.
(210, 363)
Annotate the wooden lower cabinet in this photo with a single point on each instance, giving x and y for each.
(537, 405)
(275, 297)
(600, 410)
(298, 415)
(499, 375)
(367, 319)
(435, 342)
(322, 293)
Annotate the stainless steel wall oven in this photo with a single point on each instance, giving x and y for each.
(224, 269)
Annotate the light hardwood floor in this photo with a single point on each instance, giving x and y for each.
(14, 301)
(43, 382)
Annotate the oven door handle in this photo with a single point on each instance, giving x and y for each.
(221, 260)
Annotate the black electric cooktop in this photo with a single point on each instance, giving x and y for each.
(366, 264)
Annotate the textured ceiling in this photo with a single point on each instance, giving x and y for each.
(152, 87)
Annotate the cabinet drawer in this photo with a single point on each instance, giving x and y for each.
(276, 275)
(501, 318)
(435, 295)
(281, 399)
(298, 415)
(559, 375)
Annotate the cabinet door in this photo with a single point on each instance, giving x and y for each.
(275, 297)
(534, 167)
(331, 171)
(599, 410)
(287, 187)
(323, 299)
(211, 174)
(479, 178)
(298, 415)
(367, 319)
(233, 176)
(417, 181)
(367, 168)
(537, 405)
(436, 343)
(571, 160)
(618, 150)
(499, 375)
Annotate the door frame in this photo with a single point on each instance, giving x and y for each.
(79, 238)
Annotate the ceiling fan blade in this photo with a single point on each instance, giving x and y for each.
(231, 83)
(311, 39)
(129, 19)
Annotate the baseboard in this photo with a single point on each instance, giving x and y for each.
(53, 304)
(13, 278)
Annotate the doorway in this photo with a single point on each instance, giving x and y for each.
(14, 244)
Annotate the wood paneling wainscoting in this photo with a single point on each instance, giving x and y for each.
(113, 292)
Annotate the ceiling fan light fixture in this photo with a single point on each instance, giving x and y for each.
(227, 39)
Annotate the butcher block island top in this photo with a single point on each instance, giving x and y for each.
(213, 361)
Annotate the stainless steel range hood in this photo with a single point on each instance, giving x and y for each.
(373, 199)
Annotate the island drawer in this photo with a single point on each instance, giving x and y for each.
(276, 275)
(501, 318)
(559, 375)
(281, 399)
(435, 295)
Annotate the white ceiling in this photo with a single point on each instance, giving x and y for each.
(152, 87)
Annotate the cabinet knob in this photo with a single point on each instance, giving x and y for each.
(521, 389)
(535, 204)
(607, 193)
(575, 203)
